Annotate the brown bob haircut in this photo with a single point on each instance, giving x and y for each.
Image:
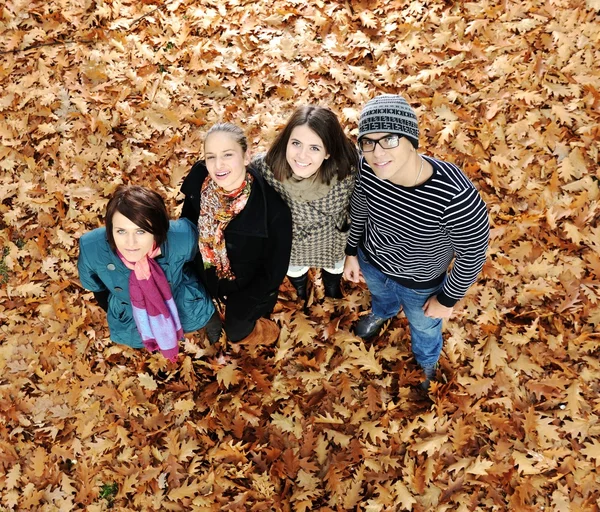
(142, 206)
(343, 156)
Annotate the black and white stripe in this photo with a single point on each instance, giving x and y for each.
(412, 234)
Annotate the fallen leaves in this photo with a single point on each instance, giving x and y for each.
(320, 420)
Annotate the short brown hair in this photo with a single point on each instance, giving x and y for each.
(142, 206)
(343, 156)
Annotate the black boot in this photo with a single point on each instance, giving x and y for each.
(300, 283)
(331, 283)
(429, 372)
(213, 328)
(368, 326)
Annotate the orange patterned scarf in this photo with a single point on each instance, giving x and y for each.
(218, 209)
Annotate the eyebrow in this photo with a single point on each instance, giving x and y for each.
(314, 144)
(380, 138)
(223, 151)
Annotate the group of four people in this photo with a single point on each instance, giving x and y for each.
(388, 216)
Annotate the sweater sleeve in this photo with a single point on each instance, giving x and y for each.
(467, 222)
(358, 216)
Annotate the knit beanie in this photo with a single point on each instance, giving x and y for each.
(389, 113)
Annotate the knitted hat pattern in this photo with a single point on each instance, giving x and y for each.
(389, 113)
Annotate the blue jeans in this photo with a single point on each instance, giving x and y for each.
(388, 296)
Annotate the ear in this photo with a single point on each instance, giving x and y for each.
(247, 158)
(326, 156)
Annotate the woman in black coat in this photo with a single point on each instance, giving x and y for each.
(245, 234)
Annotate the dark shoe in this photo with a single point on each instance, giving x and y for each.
(368, 326)
(213, 328)
(429, 372)
(331, 283)
(300, 283)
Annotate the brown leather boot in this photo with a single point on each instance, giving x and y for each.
(265, 332)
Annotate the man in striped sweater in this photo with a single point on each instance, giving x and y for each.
(412, 216)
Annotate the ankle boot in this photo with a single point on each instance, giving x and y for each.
(265, 332)
(300, 283)
(430, 372)
(331, 283)
(213, 328)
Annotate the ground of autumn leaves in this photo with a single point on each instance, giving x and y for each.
(96, 93)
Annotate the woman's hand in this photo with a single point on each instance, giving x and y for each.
(352, 270)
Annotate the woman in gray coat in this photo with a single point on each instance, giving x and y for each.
(312, 165)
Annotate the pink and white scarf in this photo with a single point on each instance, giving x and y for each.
(154, 309)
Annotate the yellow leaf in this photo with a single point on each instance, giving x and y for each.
(228, 375)
(479, 467)
(431, 444)
(185, 491)
(287, 424)
(403, 496)
(184, 405)
(13, 476)
(592, 451)
(376, 433)
(368, 19)
(353, 493)
(365, 359)
(147, 382)
(28, 289)
(524, 464)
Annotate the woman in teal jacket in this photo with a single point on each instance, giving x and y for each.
(137, 268)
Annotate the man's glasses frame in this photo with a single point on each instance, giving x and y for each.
(367, 145)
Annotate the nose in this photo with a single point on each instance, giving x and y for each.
(131, 240)
(378, 149)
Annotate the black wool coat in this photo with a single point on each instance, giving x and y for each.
(258, 241)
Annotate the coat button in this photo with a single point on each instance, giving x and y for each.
(110, 266)
(118, 289)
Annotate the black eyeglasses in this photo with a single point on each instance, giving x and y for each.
(387, 142)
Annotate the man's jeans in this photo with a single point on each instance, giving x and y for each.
(387, 296)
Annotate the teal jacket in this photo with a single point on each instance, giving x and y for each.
(101, 270)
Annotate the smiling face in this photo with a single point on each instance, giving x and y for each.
(305, 152)
(226, 160)
(131, 241)
(390, 164)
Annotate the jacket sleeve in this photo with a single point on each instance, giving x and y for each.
(87, 274)
(191, 239)
(278, 251)
(191, 188)
(188, 211)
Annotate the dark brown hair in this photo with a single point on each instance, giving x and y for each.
(142, 206)
(343, 157)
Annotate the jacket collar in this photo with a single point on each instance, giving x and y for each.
(252, 220)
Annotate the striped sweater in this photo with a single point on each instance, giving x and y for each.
(412, 234)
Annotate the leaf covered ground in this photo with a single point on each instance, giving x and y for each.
(98, 93)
